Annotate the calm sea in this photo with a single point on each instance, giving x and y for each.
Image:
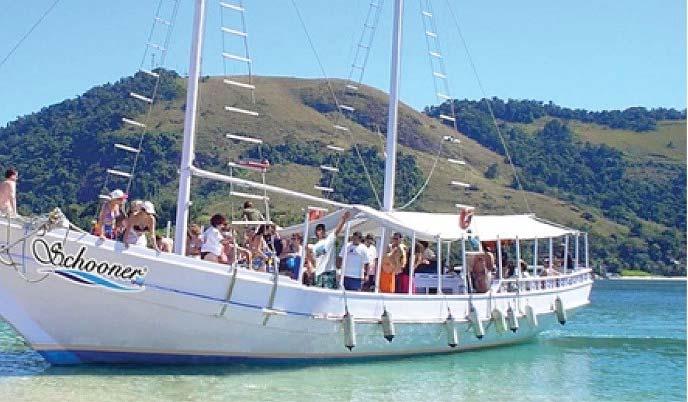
(629, 345)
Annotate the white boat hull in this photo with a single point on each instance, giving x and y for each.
(181, 314)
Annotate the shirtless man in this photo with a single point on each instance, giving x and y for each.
(8, 193)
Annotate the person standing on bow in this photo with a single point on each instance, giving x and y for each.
(326, 274)
(356, 262)
(8, 193)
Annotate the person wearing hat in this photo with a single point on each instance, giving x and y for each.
(111, 209)
(140, 224)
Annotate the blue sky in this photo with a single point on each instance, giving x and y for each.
(586, 53)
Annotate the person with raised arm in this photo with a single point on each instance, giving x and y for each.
(356, 264)
(326, 274)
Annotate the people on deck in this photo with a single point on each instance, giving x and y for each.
(290, 257)
(309, 267)
(213, 239)
(109, 211)
(135, 207)
(353, 261)
(420, 257)
(403, 278)
(392, 264)
(233, 253)
(120, 226)
(165, 244)
(326, 275)
(250, 213)
(194, 241)
(273, 240)
(8, 193)
(481, 270)
(569, 260)
(369, 284)
(259, 249)
(140, 224)
(427, 264)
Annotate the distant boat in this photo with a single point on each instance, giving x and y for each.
(78, 299)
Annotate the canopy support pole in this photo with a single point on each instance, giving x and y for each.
(345, 252)
(575, 262)
(412, 264)
(585, 241)
(446, 257)
(304, 246)
(551, 253)
(499, 259)
(439, 265)
(566, 253)
(535, 257)
(518, 265)
(380, 254)
(466, 275)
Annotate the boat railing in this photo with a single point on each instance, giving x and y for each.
(536, 283)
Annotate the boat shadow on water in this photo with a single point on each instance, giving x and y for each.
(27, 362)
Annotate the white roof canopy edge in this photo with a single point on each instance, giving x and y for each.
(426, 226)
(444, 226)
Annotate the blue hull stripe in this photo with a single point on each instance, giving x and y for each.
(66, 357)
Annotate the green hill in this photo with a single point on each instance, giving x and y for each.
(63, 150)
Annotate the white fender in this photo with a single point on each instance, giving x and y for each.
(387, 326)
(349, 327)
(452, 335)
(560, 310)
(499, 320)
(476, 323)
(532, 316)
(513, 321)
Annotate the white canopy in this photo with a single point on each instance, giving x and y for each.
(430, 226)
(426, 226)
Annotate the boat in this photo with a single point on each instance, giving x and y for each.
(76, 298)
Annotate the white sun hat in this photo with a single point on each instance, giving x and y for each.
(117, 194)
(148, 207)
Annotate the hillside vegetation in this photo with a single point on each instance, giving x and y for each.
(630, 194)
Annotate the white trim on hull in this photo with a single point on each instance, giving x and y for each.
(178, 315)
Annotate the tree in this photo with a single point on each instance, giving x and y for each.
(492, 171)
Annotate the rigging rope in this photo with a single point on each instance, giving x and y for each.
(166, 45)
(489, 105)
(26, 35)
(336, 101)
(427, 11)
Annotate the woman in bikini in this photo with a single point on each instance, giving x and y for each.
(139, 224)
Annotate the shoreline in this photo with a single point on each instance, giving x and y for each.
(647, 278)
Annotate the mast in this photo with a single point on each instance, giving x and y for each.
(393, 117)
(184, 196)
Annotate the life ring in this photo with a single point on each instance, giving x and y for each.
(465, 218)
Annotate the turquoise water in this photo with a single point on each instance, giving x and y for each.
(629, 345)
